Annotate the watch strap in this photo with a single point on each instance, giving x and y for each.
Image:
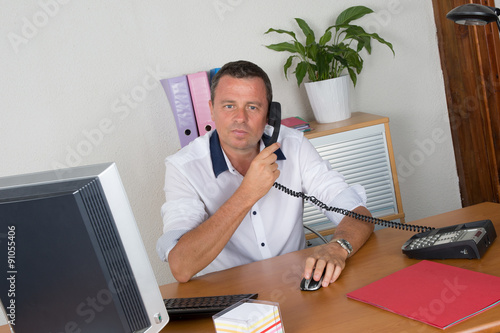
(344, 243)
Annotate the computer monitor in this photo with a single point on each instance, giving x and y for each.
(71, 256)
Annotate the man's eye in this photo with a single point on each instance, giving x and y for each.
(229, 106)
(253, 108)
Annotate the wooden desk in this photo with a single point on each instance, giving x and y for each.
(328, 309)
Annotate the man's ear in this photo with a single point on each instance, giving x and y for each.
(210, 105)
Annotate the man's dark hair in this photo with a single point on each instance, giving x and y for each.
(242, 69)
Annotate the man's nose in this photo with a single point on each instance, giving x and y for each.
(241, 115)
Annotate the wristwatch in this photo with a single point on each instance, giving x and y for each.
(345, 244)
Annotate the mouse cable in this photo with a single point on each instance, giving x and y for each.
(345, 212)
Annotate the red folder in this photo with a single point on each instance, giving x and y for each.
(294, 122)
(433, 293)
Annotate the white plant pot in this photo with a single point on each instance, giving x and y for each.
(329, 99)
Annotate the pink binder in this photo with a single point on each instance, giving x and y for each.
(178, 94)
(200, 95)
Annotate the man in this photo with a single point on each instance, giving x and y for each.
(221, 208)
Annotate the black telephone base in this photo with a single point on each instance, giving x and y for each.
(466, 240)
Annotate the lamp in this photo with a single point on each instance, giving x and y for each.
(474, 14)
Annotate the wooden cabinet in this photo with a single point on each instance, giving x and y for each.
(361, 149)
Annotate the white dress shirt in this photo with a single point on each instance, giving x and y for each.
(200, 178)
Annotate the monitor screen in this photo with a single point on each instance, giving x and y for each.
(74, 260)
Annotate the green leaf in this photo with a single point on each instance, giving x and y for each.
(353, 76)
(351, 14)
(358, 34)
(354, 31)
(300, 49)
(312, 69)
(382, 41)
(366, 44)
(287, 65)
(354, 60)
(281, 47)
(308, 32)
(280, 31)
(301, 71)
(312, 51)
(325, 38)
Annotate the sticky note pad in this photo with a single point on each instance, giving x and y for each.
(250, 316)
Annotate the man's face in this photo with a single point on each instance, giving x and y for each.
(239, 111)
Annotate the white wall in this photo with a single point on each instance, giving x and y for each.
(79, 85)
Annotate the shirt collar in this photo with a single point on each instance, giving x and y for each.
(219, 164)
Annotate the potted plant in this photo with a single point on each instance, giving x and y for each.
(326, 61)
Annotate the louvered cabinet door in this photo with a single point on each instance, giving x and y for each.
(363, 157)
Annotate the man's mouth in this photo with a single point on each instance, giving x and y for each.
(239, 132)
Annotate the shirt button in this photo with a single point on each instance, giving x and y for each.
(254, 212)
(262, 244)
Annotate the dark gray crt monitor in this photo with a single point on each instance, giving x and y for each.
(71, 256)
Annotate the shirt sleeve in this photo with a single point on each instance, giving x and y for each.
(182, 211)
(328, 185)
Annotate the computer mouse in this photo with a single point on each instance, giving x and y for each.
(311, 284)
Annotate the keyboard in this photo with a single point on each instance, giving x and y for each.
(206, 306)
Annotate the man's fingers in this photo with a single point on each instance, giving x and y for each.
(310, 264)
(329, 272)
(336, 273)
(271, 149)
(320, 267)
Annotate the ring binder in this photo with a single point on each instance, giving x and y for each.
(200, 95)
(179, 96)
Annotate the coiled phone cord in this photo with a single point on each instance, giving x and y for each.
(345, 212)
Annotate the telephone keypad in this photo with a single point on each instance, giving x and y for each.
(436, 239)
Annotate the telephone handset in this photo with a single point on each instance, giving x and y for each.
(274, 119)
(466, 240)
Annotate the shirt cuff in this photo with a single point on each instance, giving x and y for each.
(166, 243)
